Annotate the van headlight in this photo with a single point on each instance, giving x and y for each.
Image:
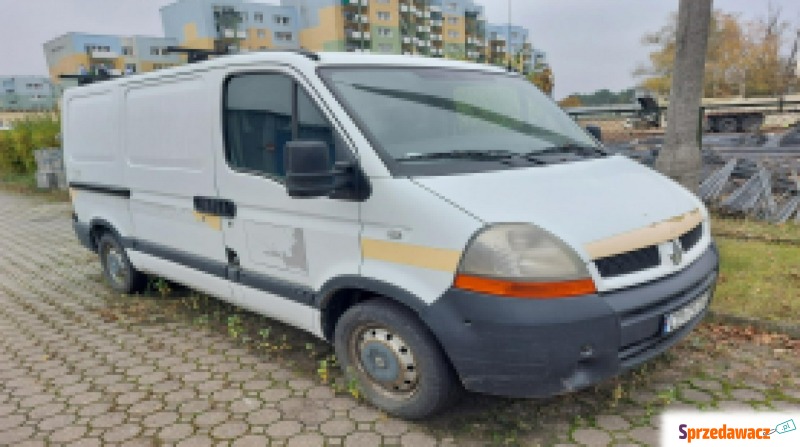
(522, 261)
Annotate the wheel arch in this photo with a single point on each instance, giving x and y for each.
(341, 293)
(98, 226)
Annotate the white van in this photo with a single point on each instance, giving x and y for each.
(444, 224)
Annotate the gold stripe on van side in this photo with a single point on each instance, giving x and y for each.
(414, 255)
(656, 233)
(212, 221)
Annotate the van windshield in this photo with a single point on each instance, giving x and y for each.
(437, 115)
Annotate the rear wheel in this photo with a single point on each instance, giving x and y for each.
(396, 361)
(117, 268)
(727, 124)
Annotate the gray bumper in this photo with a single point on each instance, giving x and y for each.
(83, 232)
(539, 348)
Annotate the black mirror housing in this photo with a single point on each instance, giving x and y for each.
(596, 132)
(309, 169)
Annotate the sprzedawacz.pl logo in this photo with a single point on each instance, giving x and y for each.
(729, 433)
(723, 432)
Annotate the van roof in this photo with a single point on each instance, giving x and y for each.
(298, 58)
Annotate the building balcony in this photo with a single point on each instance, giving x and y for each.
(423, 14)
(424, 43)
(408, 9)
(359, 18)
(436, 51)
(437, 23)
(355, 2)
(407, 39)
(436, 37)
(473, 54)
(423, 29)
(435, 8)
(103, 55)
(233, 34)
(359, 35)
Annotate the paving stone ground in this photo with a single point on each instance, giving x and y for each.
(81, 366)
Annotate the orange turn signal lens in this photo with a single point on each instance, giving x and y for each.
(531, 290)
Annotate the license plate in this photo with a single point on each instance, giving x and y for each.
(677, 319)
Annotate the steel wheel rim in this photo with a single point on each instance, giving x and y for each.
(377, 351)
(115, 265)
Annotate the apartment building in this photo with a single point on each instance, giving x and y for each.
(510, 45)
(436, 28)
(76, 53)
(231, 25)
(27, 94)
(454, 29)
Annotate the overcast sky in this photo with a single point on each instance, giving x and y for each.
(591, 44)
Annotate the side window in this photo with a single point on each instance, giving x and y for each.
(262, 113)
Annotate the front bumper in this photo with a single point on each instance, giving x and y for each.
(538, 348)
(83, 233)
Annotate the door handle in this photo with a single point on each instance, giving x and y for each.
(215, 206)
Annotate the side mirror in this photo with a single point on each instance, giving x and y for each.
(596, 132)
(309, 169)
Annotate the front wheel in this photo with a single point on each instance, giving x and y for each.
(117, 268)
(398, 364)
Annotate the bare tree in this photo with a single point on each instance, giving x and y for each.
(680, 158)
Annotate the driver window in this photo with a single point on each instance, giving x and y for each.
(258, 119)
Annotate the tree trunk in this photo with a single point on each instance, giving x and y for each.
(680, 157)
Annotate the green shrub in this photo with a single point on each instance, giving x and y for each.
(17, 145)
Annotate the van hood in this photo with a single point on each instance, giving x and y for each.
(579, 202)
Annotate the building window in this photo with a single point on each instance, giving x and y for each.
(127, 51)
(514, 35)
(384, 2)
(130, 68)
(281, 20)
(90, 48)
(452, 20)
(283, 35)
(453, 34)
(385, 32)
(155, 51)
(261, 34)
(384, 15)
(164, 51)
(258, 17)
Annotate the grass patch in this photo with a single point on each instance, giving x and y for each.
(756, 230)
(759, 280)
(26, 184)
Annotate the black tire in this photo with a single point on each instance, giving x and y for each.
(435, 387)
(117, 268)
(752, 123)
(727, 124)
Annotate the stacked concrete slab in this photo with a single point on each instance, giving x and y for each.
(50, 172)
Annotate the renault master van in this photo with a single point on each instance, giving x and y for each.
(443, 224)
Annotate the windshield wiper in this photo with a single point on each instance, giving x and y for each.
(471, 155)
(572, 149)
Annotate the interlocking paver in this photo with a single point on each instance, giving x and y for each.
(82, 366)
(591, 437)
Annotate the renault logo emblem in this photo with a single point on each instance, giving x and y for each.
(677, 253)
